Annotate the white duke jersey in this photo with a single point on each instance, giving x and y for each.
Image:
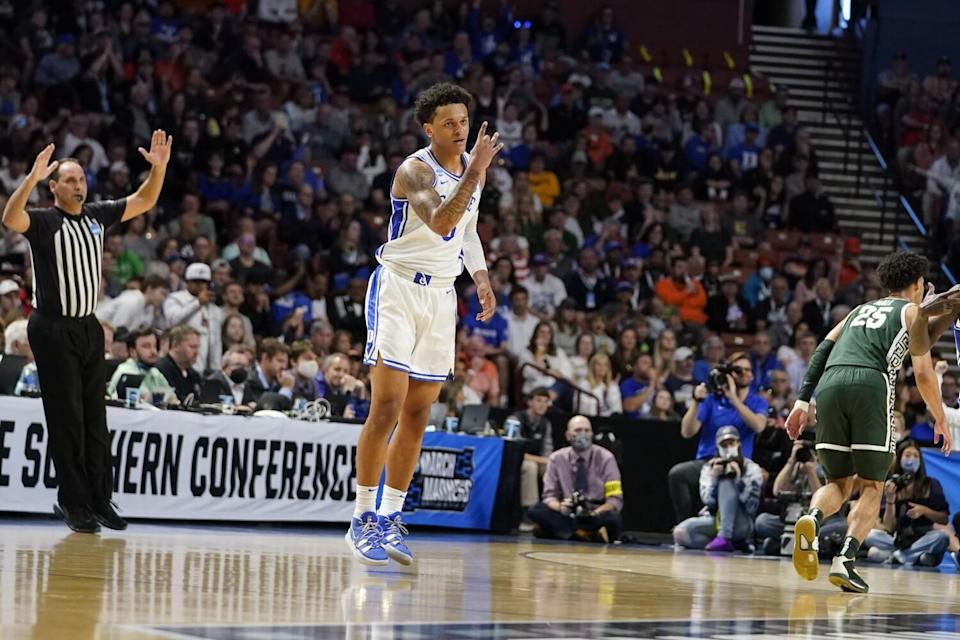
(412, 249)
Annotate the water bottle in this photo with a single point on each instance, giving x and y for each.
(31, 384)
(511, 428)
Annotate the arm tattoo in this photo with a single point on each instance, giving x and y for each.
(414, 181)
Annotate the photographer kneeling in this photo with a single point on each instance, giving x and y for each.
(914, 504)
(582, 495)
(730, 487)
(729, 400)
(800, 477)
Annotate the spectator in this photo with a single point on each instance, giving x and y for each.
(346, 394)
(11, 306)
(537, 434)
(546, 291)
(714, 352)
(521, 323)
(637, 391)
(143, 345)
(270, 383)
(195, 307)
(16, 342)
(735, 405)
(730, 488)
(757, 287)
(586, 471)
(763, 360)
(179, 365)
(727, 311)
(348, 309)
(579, 361)
(588, 286)
(232, 375)
(812, 211)
(662, 408)
(817, 313)
(142, 307)
(550, 365)
(599, 381)
(481, 374)
(305, 367)
(781, 396)
(796, 367)
(683, 292)
(681, 382)
(914, 504)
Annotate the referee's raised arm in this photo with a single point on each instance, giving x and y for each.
(144, 198)
(14, 213)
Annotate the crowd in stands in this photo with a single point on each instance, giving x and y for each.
(638, 232)
(919, 118)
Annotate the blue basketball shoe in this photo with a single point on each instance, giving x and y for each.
(394, 532)
(365, 538)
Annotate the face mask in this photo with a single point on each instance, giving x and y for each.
(910, 465)
(238, 375)
(308, 368)
(728, 453)
(581, 442)
(766, 273)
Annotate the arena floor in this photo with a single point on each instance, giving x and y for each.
(163, 581)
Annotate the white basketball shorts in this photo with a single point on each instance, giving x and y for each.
(412, 327)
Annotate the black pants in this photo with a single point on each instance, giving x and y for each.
(684, 482)
(554, 524)
(69, 357)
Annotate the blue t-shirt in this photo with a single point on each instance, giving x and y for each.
(630, 388)
(718, 412)
(493, 332)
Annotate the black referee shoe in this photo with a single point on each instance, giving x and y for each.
(80, 519)
(106, 515)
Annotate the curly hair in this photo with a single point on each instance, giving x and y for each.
(899, 270)
(441, 94)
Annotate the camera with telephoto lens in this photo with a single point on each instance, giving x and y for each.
(717, 378)
(901, 480)
(580, 505)
(805, 452)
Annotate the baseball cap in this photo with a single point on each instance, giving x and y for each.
(220, 263)
(682, 353)
(8, 286)
(612, 245)
(595, 111)
(632, 263)
(539, 260)
(198, 271)
(119, 165)
(727, 433)
(623, 285)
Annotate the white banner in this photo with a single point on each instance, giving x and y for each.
(179, 465)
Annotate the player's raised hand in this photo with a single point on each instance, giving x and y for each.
(485, 149)
(159, 153)
(796, 422)
(42, 167)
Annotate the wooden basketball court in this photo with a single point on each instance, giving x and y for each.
(251, 583)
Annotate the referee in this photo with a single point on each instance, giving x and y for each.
(66, 244)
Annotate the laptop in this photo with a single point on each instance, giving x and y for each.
(474, 418)
(128, 381)
(210, 391)
(10, 368)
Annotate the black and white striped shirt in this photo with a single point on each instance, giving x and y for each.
(67, 252)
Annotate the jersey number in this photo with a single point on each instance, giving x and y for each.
(871, 317)
(448, 238)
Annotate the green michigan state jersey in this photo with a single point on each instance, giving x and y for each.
(874, 336)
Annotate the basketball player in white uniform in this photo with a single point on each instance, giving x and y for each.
(411, 310)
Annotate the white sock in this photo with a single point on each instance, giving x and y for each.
(392, 501)
(366, 500)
